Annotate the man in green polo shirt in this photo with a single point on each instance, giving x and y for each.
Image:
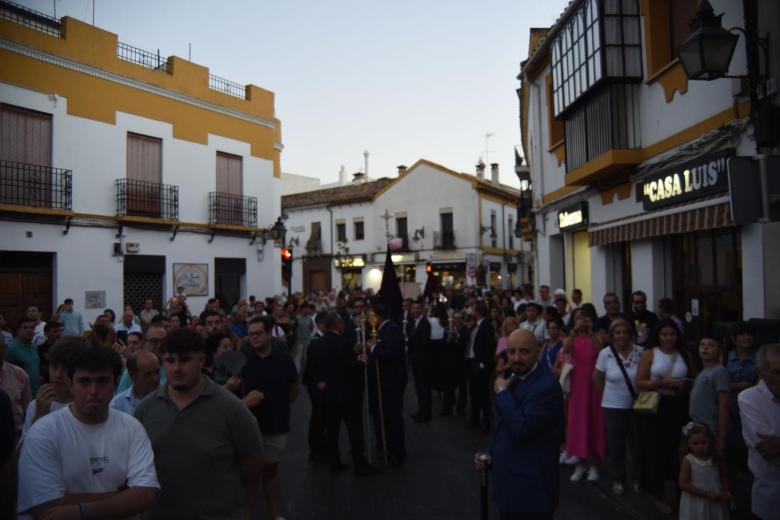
(24, 353)
(207, 445)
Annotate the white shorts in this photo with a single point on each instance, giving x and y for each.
(273, 447)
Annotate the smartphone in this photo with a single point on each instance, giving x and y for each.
(121, 335)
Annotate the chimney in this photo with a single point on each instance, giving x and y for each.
(342, 175)
(494, 173)
(401, 169)
(359, 178)
(480, 170)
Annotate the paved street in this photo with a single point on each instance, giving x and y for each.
(436, 482)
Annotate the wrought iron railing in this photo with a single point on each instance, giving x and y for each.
(147, 199)
(141, 57)
(35, 186)
(404, 243)
(444, 240)
(226, 86)
(30, 18)
(236, 210)
(313, 247)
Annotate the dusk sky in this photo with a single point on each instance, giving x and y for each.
(402, 79)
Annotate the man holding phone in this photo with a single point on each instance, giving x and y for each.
(529, 406)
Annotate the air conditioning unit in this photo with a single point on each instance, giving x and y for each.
(132, 247)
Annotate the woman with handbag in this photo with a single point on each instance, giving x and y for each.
(585, 423)
(663, 378)
(615, 374)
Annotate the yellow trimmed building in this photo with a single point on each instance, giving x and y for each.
(630, 162)
(125, 174)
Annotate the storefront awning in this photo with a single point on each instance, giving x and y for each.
(698, 219)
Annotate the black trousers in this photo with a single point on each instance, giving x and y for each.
(317, 423)
(421, 370)
(353, 420)
(525, 516)
(455, 379)
(392, 406)
(479, 392)
(660, 437)
(333, 414)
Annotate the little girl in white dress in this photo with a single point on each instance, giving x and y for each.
(702, 480)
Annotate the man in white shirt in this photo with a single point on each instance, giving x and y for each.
(128, 323)
(533, 323)
(759, 407)
(86, 460)
(35, 314)
(143, 368)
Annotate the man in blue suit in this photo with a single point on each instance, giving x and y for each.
(524, 450)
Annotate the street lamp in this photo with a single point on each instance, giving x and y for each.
(278, 233)
(706, 55)
(707, 52)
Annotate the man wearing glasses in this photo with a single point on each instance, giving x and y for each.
(152, 339)
(644, 321)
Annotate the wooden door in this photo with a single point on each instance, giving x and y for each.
(318, 281)
(19, 290)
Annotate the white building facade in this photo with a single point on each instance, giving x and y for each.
(630, 163)
(124, 177)
(459, 226)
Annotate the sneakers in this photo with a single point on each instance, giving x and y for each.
(617, 488)
(572, 461)
(593, 474)
(579, 471)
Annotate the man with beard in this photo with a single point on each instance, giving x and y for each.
(523, 455)
(270, 384)
(207, 447)
(87, 460)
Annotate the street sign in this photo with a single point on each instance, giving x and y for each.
(745, 189)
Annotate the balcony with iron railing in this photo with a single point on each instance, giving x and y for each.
(314, 246)
(444, 240)
(146, 199)
(404, 243)
(232, 210)
(35, 186)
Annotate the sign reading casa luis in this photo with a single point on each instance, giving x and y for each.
(573, 217)
(703, 176)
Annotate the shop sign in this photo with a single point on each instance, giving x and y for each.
(692, 180)
(573, 217)
(397, 258)
(349, 261)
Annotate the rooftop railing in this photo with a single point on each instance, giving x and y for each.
(29, 18)
(141, 57)
(226, 86)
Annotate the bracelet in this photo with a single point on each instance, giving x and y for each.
(83, 511)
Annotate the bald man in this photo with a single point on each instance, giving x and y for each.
(144, 371)
(524, 450)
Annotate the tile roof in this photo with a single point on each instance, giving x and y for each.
(339, 195)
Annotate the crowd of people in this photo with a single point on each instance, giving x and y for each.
(554, 382)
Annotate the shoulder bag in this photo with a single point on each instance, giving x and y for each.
(619, 362)
(647, 402)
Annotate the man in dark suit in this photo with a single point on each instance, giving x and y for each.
(524, 451)
(315, 352)
(418, 341)
(454, 361)
(387, 372)
(480, 355)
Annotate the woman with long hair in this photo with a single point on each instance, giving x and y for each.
(663, 368)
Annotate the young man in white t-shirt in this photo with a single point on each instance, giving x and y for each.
(87, 460)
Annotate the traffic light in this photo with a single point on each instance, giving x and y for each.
(287, 260)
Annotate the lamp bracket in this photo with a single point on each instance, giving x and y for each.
(119, 230)
(67, 225)
(253, 237)
(175, 231)
(213, 234)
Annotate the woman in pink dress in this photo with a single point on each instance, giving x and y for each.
(585, 424)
